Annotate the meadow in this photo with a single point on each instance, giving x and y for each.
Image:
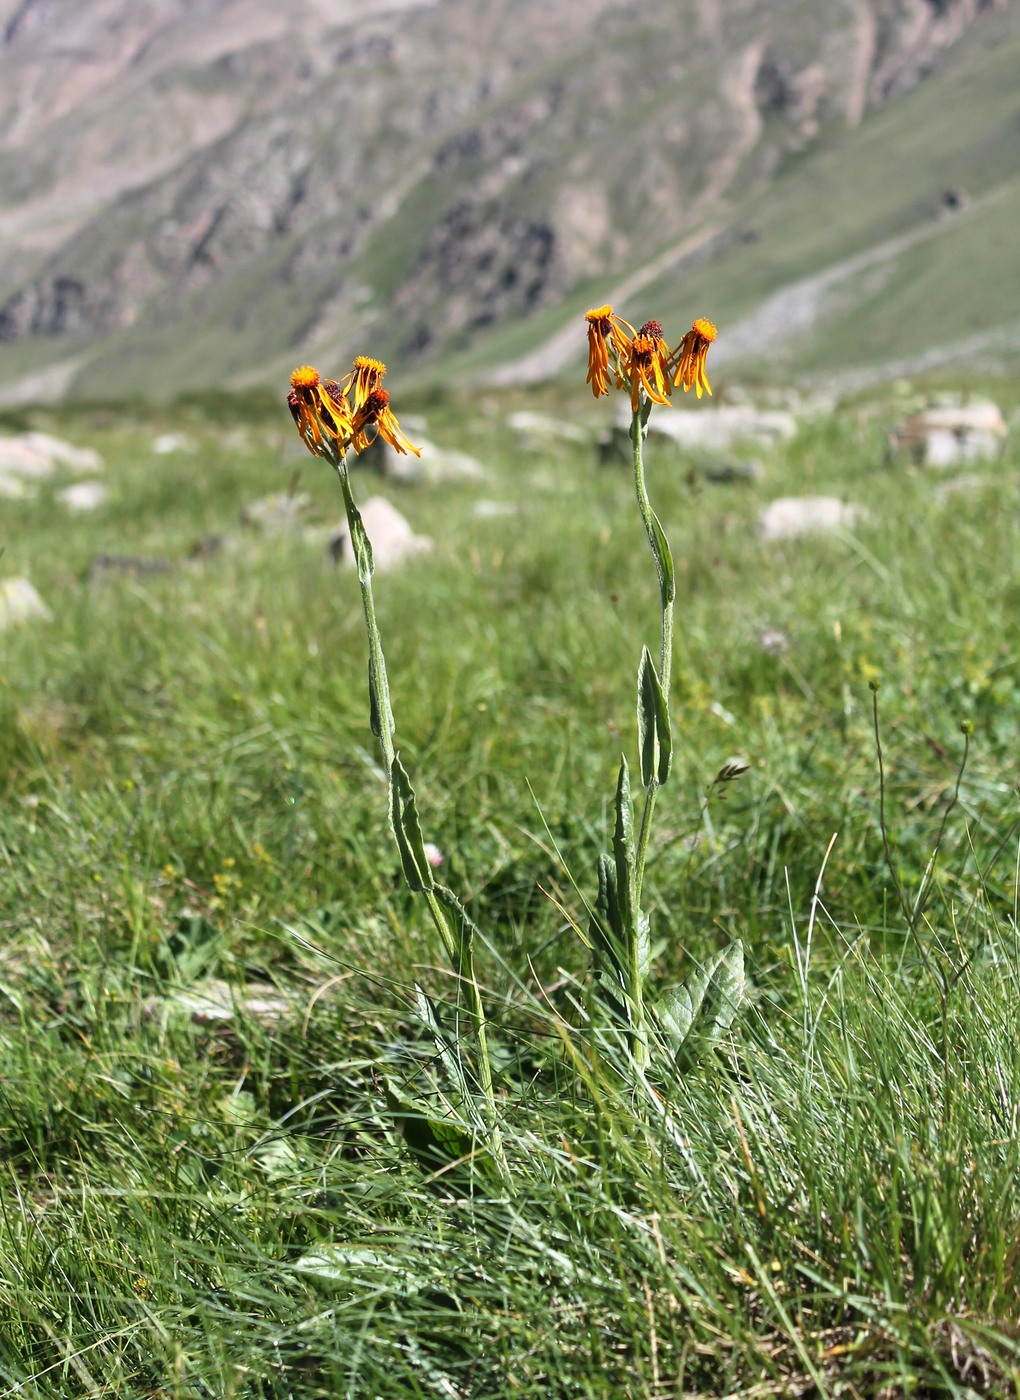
(207, 956)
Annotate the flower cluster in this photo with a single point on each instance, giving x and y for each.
(641, 361)
(334, 415)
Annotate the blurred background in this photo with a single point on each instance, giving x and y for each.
(199, 195)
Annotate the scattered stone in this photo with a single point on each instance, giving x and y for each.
(951, 434)
(83, 496)
(790, 517)
(64, 454)
(436, 465)
(700, 430)
(392, 538)
(721, 473)
(217, 1003)
(19, 602)
(278, 513)
(134, 565)
(17, 458)
(172, 442)
(537, 430)
(37, 455)
(492, 510)
(774, 641)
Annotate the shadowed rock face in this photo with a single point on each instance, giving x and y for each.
(413, 171)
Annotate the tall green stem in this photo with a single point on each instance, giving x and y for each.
(664, 572)
(457, 949)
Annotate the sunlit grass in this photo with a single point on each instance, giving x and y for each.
(191, 806)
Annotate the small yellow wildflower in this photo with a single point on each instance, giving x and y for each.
(376, 410)
(690, 356)
(606, 333)
(646, 365)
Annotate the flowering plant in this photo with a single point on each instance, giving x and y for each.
(336, 417)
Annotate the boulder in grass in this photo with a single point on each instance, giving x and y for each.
(949, 435)
(280, 513)
(19, 459)
(704, 430)
(392, 538)
(19, 603)
(791, 517)
(435, 467)
(38, 455)
(536, 431)
(83, 496)
(64, 454)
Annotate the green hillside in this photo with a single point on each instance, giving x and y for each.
(866, 214)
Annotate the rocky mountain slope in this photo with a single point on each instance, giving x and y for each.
(199, 191)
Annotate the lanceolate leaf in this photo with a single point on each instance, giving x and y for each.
(655, 738)
(623, 850)
(407, 830)
(663, 562)
(694, 1015)
(608, 942)
(464, 926)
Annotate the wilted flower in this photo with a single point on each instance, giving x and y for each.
(606, 332)
(317, 407)
(376, 410)
(690, 358)
(364, 379)
(646, 365)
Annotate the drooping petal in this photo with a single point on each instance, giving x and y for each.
(690, 356)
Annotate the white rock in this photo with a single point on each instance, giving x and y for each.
(976, 416)
(952, 434)
(492, 510)
(717, 429)
(391, 536)
(945, 448)
(436, 465)
(83, 496)
(539, 429)
(790, 517)
(19, 602)
(172, 442)
(64, 454)
(278, 513)
(17, 458)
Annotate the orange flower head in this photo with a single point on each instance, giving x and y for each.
(646, 365)
(304, 377)
(376, 411)
(363, 380)
(302, 401)
(690, 355)
(607, 336)
(318, 409)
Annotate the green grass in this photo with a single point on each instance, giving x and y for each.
(190, 797)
